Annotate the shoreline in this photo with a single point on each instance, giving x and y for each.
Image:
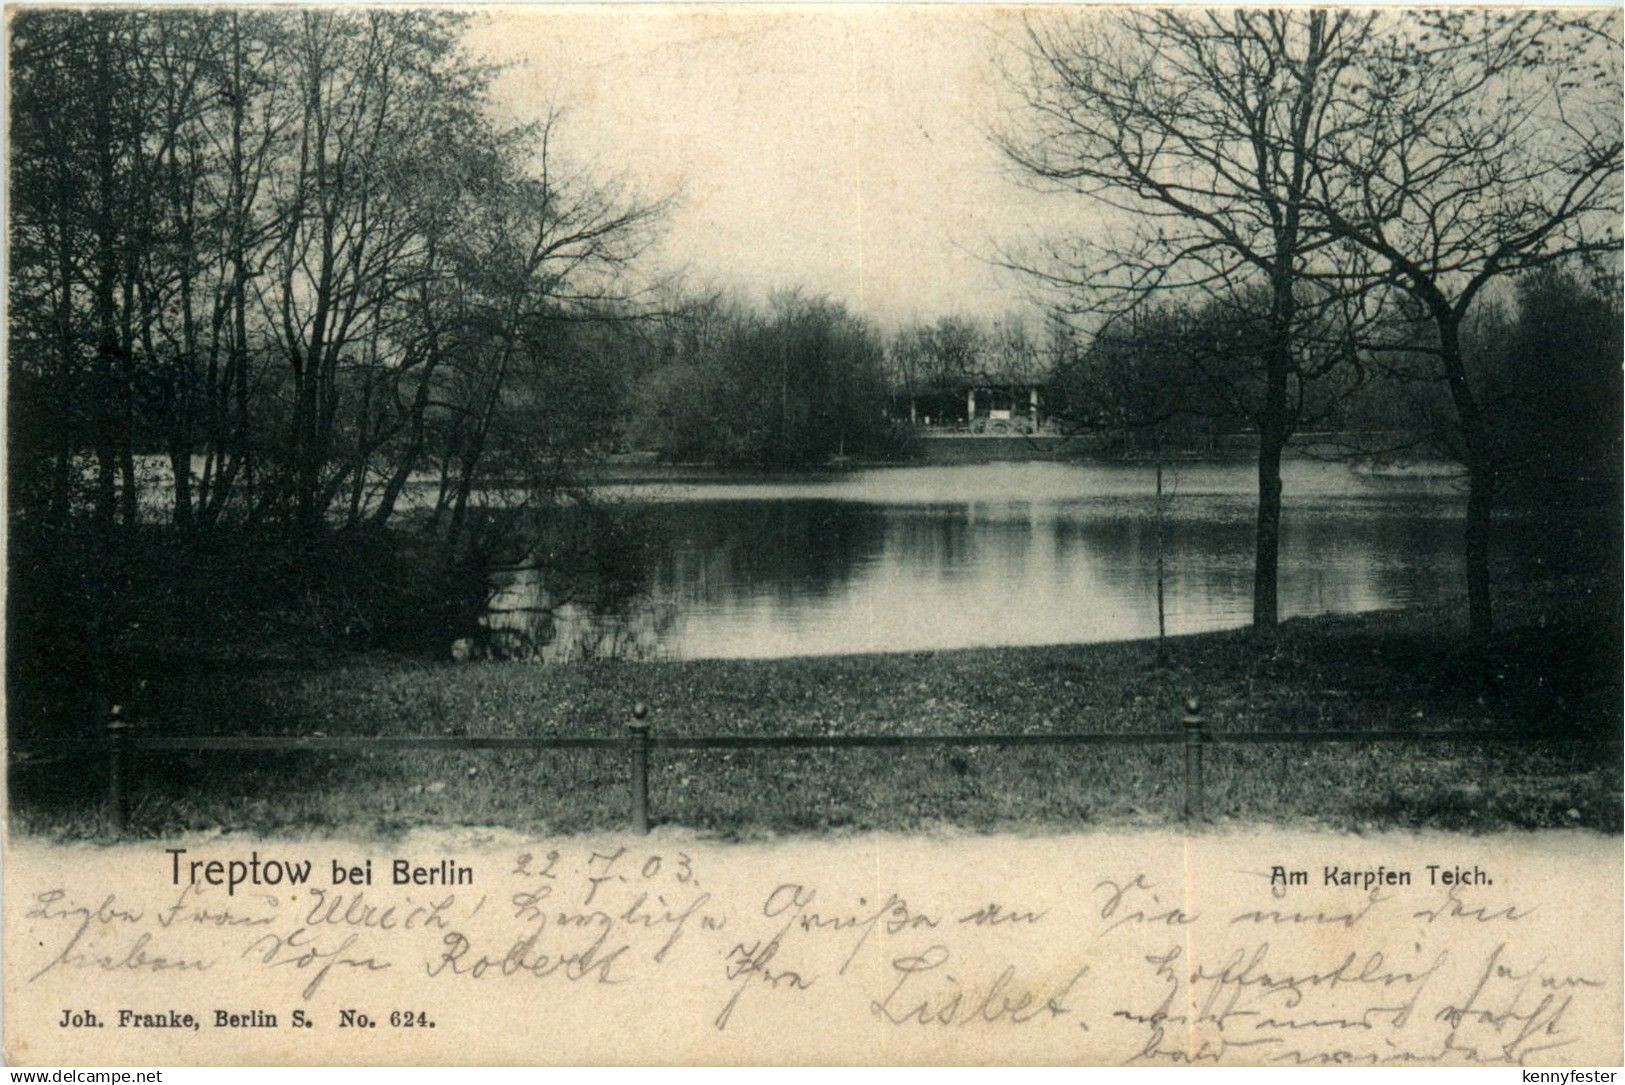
(1553, 667)
(981, 450)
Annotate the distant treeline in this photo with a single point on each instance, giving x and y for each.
(794, 382)
(800, 380)
(1546, 357)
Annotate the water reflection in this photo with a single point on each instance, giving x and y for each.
(926, 558)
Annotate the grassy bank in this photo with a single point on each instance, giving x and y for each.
(1553, 670)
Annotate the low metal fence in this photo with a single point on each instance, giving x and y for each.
(638, 741)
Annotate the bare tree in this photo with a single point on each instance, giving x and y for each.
(548, 248)
(1192, 134)
(364, 83)
(1471, 145)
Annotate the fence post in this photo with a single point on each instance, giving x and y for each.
(637, 737)
(118, 808)
(1195, 736)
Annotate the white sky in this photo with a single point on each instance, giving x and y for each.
(842, 149)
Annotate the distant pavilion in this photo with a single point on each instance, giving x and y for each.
(979, 404)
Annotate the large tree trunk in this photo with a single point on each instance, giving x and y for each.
(62, 480)
(459, 507)
(1267, 556)
(1480, 509)
(180, 466)
(61, 487)
(180, 434)
(129, 506)
(1480, 478)
(410, 455)
(1272, 436)
(1278, 420)
(104, 387)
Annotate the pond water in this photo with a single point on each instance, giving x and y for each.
(902, 559)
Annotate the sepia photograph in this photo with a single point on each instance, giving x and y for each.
(939, 534)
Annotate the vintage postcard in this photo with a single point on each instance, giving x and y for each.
(808, 534)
